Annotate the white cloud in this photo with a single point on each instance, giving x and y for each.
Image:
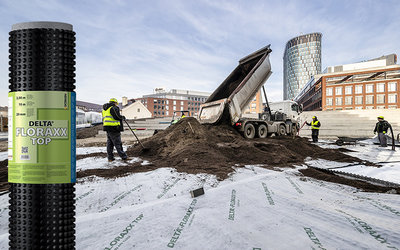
(127, 48)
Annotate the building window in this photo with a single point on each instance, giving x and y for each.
(380, 107)
(349, 90)
(369, 88)
(166, 107)
(138, 110)
(174, 108)
(349, 100)
(328, 101)
(358, 100)
(392, 86)
(155, 100)
(181, 108)
(253, 105)
(369, 107)
(359, 89)
(338, 101)
(392, 107)
(174, 102)
(369, 99)
(182, 103)
(167, 102)
(329, 91)
(380, 99)
(167, 112)
(338, 90)
(392, 98)
(380, 87)
(359, 107)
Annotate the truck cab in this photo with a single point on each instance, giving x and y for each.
(290, 108)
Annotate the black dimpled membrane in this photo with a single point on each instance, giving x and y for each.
(42, 216)
(42, 59)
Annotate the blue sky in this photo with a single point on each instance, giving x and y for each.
(128, 48)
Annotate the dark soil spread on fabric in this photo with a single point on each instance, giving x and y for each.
(193, 148)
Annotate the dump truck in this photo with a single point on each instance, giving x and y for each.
(228, 102)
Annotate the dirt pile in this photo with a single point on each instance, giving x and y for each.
(191, 147)
(88, 132)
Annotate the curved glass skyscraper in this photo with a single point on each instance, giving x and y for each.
(301, 60)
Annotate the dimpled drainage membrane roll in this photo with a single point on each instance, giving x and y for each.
(42, 136)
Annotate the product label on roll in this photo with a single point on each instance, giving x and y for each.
(41, 144)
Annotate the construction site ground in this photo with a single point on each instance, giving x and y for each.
(259, 194)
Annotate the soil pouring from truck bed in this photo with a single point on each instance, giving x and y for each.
(194, 148)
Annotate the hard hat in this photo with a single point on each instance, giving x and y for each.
(113, 100)
(380, 117)
(314, 117)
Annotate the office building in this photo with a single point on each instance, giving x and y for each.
(301, 60)
(374, 84)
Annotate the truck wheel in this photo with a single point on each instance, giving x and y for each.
(282, 130)
(249, 131)
(262, 131)
(293, 130)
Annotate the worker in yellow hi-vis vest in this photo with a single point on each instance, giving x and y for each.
(112, 124)
(315, 125)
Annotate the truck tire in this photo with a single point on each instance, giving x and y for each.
(293, 130)
(282, 130)
(249, 131)
(262, 131)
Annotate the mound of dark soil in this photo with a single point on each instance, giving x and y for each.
(88, 132)
(191, 147)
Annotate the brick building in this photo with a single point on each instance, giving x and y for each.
(163, 103)
(374, 84)
(256, 105)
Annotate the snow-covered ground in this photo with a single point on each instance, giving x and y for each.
(254, 208)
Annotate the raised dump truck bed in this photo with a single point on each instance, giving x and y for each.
(238, 89)
(234, 94)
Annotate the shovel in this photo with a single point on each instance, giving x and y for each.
(143, 148)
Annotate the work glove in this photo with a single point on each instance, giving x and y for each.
(123, 118)
(384, 132)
